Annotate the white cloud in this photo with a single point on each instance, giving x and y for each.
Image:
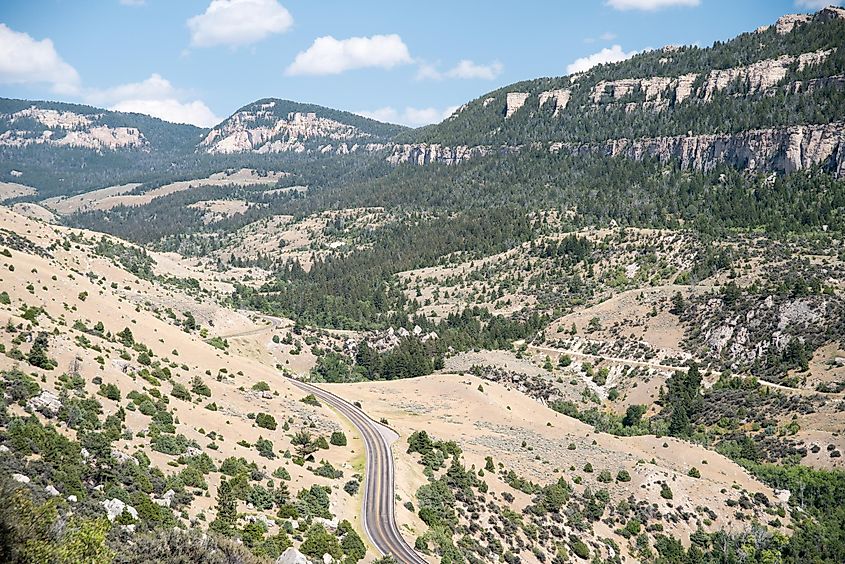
(238, 22)
(328, 55)
(817, 4)
(469, 69)
(465, 69)
(606, 36)
(650, 5)
(26, 60)
(414, 117)
(157, 97)
(195, 113)
(133, 2)
(612, 54)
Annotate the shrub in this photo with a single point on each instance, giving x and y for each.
(694, 473)
(351, 487)
(310, 399)
(110, 391)
(265, 447)
(180, 392)
(261, 386)
(266, 421)
(580, 549)
(338, 438)
(199, 387)
(665, 491)
(605, 477)
(623, 476)
(320, 542)
(326, 470)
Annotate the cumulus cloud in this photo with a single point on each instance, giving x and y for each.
(238, 22)
(194, 113)
(469, 69)
(25, 60)
(650, 5)
(465, 69)
(612, 54)
(156, 97)
(413, 117)
(328, 55)
(817, 4)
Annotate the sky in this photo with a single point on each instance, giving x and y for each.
(198, 61)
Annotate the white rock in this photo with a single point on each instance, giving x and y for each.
(327, 559)
(20, 478)
(72, 498)
(114, 507)
(122, 457)
(327, 523)
(51, 490)
(4, 448)
(46, 402)
(514, 101)
(292, 556)
(166, 499)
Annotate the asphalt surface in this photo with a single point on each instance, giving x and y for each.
(378, 505)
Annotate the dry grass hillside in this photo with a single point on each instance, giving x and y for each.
(88, 345)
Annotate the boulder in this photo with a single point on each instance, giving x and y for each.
(46, 402)
(53, 492)
(292, 556)
(327, 523)
(115, 507)
(20, 478)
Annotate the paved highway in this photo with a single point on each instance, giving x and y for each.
(377, 511)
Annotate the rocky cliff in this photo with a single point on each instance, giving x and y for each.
(280, 126)
(770, 100)
(779, 150)
(41, 126)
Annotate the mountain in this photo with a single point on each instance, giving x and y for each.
(768, 100)
(65, 148)
(276, 126)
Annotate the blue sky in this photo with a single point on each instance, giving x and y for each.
(200, 60)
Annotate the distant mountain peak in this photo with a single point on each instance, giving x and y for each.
(280, 126)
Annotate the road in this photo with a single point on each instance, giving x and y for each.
(378, 506)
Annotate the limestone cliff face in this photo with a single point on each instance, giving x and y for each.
(780, 150)
(40, 126)
(425, 153)
(259, 130)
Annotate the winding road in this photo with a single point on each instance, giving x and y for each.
(378, 506)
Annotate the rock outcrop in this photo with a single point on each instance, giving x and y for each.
(559, 98)
(514, 101)
(292, 556)
(781, 150)
(425, 153)
(261, 132)
(40, 126)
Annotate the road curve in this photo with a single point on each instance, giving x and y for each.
(377, 509)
